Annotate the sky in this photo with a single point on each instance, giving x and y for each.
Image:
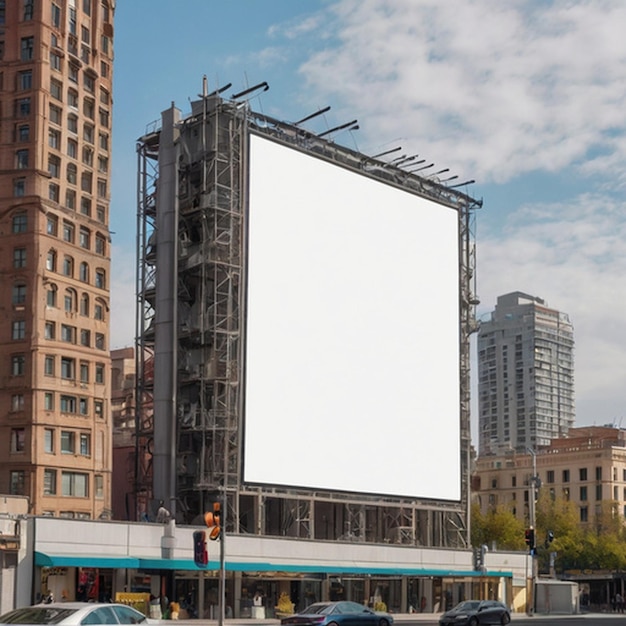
(526, 97)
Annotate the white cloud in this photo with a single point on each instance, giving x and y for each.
(491, 88)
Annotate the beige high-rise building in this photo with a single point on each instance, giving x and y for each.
(56, 61)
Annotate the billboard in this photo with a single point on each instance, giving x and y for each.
(352, 331)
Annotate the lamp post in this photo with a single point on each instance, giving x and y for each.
(534, 485)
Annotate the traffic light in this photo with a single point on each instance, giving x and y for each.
(549, 538)
(530, 539)
(213, 520)
(200, 554)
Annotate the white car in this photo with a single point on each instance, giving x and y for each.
(75, 613)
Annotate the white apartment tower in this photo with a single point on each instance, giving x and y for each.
(526, 375)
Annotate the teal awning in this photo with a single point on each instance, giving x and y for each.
(85, 560)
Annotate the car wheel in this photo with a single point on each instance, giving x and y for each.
(505, 619)
(473, 621)
(383, 622)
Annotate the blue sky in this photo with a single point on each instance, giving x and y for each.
(527, 97)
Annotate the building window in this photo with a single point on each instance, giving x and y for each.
(18, 439)
(70, 199)
(72, 148)
(68, 232)
(56, 89)
(72, 173)
(68, 404)
(25, 80)
(100, 341)
(100, 213)
(582, 473)
(566, 476)
(72, 98)
(84, 238)
(598, 492)
(18, 365)
(85, 444)
(22, 107)
(598, 473)
(19, 223)
(18, 330)
(70, 301)
(23, 133)
(98, 486)
(89, 108)
(85, 337)
(19, 257)
(98, 408)
(52, 225)
(83, 406)
(88, 133)
(56, 114)
(49, 482)
(54, 166)
(68, 266)
(84, 305)
(53, 192)
(55, 61)
(19, 294)
(51, 261)
(28, 9)
(50, 330)
(49, 365)
(100, 279)
(104, 69)
(74, 484)
(17, 483)
(21, 159)
(19, 187)
(48, 401)
(17, 402)
(72, 123)
(98, 312)
(83, 273)
(103, 114)
(103, 164)
(100, 373)
(85, 206)
(56, 16)
(67, 442)
(102, 188)
(100, 245)
(27, 48)
(68, 333)
(51, 296)
(54, 138)
(73, 76)
(584, 514)
(84, 372)
(68, 367)
(48, 440)
(89, 83)
(86, 181)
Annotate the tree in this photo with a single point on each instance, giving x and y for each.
(498, 526)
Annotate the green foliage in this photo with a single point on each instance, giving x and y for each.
(499, 526)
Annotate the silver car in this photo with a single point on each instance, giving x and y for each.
(75, 613)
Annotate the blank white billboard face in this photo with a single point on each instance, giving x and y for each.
(352, 332)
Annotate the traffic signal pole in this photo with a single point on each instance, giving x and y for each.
(224, 507)
(534, 481)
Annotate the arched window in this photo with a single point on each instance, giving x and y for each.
(51, 295)
(100, 278)
(70, 301)
(68, 266)
(84, 305)
(84, 272)
(51, 261)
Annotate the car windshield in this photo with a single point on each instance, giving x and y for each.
(36, 615)
(467, 606)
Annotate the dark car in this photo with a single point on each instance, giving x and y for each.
(338, 614)
(474, 612)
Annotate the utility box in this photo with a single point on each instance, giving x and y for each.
(556, 597)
